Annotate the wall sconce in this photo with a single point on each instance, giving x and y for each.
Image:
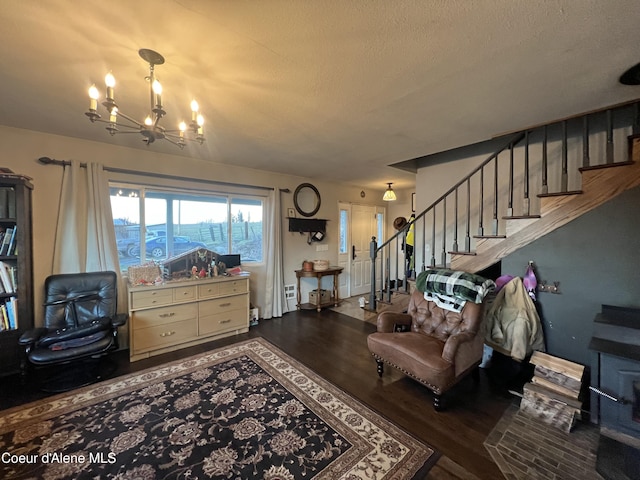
(389, 195)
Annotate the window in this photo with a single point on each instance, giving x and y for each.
(344, 218)
(173, 222)
(380, 228)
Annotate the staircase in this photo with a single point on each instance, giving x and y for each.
(491, 194)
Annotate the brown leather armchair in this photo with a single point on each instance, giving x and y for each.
(437, 347)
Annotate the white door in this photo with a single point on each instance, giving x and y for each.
(363, 227)
(358, 223)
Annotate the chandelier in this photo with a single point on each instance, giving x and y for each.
(150, 128)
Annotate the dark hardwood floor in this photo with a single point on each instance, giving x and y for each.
(334, 346)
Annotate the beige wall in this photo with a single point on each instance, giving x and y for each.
(22, 148)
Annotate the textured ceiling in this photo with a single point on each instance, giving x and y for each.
(334, 90)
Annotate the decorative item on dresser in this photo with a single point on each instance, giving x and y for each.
(179, 314)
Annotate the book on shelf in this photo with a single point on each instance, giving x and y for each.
(4, 202)
(12, 242)
(5, 240)
(13, 276)
(12, 312)
(5, 317)
(7, 277)
(11, 204)
(7, 202)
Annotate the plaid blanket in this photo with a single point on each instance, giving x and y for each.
(448, 303)
(454, 283)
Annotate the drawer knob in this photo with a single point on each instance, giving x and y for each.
(225, 304)
(185, 293)
(167, 334)
(165, 315)
(228, 320)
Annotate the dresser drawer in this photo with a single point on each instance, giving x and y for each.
(164, 335)
(162, 315)
(224, 304)
(182, 294)
(223, 321)
(209, 290)
(234, 286)
(151, 298)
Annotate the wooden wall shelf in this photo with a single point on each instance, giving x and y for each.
(306, 225)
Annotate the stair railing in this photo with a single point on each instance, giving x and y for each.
(399, 255)
(397, 244)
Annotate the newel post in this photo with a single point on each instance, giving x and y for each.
(373, 252)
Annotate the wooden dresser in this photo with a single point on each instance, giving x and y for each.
(179, 314)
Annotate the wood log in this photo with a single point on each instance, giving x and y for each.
(558, 365)
(557, 382)
(549, 407)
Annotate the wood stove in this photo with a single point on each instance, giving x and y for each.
(615, 390)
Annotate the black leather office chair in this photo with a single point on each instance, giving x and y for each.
(80, 323)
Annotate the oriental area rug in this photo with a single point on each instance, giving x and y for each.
(240, 412)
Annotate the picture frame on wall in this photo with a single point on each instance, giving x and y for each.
(413, 202)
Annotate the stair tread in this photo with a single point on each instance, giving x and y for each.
(462, 253)
(560, 194)
(605, 165)
(519, 217)
(489, 236)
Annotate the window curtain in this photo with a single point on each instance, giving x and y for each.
(274, 291)
(85, 237)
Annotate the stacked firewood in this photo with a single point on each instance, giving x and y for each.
(553, 395)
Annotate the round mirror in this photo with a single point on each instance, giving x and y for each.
(306, 199)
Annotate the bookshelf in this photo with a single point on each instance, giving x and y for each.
(16, 269)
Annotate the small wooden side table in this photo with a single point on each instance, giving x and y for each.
(334, 300)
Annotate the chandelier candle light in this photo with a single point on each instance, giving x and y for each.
(150, 129)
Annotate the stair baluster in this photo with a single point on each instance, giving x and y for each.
(467, 238)
(481, 204)
(494, 226)
(510, 190)
(443, 255)
(564, 179)
(585, 142)
(545, 185)
(527, 200)
(610, 151)
(433, 239)
(455, 222)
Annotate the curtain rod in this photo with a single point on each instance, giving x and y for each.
(64, 163)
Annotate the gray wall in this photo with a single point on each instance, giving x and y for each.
(596, 259)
